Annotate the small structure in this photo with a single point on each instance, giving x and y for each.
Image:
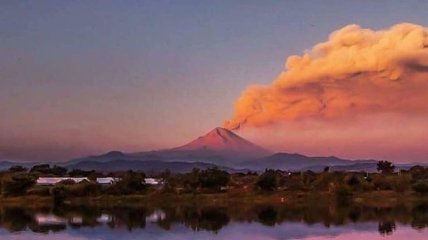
(55, 180)
(102, 180)
(153, 181)
(106, 180)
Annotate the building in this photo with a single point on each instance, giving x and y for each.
(103, 180)
(107, 180)
(55, 180)
(153, 181)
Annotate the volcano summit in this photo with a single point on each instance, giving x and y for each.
(224, 142)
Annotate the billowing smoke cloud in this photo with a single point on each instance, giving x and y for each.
(357, 72)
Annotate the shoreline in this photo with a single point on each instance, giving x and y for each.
(381, 199)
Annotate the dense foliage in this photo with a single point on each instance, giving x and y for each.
(17, 184)
(268, 181)
(20, 181)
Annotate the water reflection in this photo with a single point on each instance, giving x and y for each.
(213, 219)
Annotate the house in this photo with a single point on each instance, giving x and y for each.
(55, 180)
(153, 181)
(46, 181)
(106, 180)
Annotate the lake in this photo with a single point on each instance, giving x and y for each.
(259, 222)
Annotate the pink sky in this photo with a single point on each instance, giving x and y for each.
(78, 79)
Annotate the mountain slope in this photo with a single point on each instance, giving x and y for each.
(146, 166)
(287, 161)
(223, 141)
(219, 147)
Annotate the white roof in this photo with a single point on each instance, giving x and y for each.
(106, 180)
(103, 180)
(152, 181)
(54, 180)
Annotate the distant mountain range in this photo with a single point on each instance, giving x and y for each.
(219, 148)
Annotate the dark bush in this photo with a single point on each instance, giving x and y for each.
(17, 169)
(385, 167)
(420, 187)
(213, 178)
(46, 169)
(343, 193)
(17, 184)
(267, 181)
(84, 188)
(130, 183)
(352, 181)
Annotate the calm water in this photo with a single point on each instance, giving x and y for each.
(191, 222)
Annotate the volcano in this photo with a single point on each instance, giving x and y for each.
(218, 148)
(223, 142)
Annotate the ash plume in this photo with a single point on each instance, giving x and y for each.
(356, 72)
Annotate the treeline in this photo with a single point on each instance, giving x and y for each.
(18, 181)
(344, 183)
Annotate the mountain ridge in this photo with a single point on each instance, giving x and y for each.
(218, 148)
(224, 148)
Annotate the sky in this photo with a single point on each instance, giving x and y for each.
(85, 77)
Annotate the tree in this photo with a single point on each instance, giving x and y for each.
(419, 172)
(46, 169)
(213, 178)
(83, 189)
(80, 173)
(17, 184)
(385, 167)
(58, 171)
(59, 194)
(420, 187)
(130, 183)
(352, 181)
(17, 169)
(268, 180)
(41, 168)
(191, 180)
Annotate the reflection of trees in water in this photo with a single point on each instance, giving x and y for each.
(16, 219)
(211, 218)
(354, 214)
(47, 228)
(386, 227)
(268, 216)
(130, 218)
(87, 214)
(420, 216)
